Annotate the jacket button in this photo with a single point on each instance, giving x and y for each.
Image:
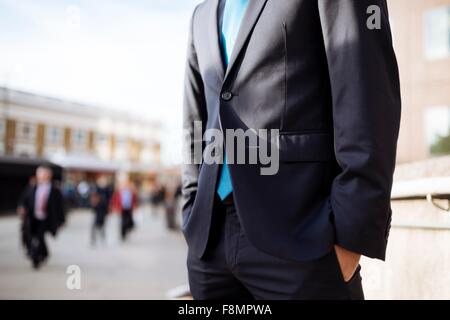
(226, 95)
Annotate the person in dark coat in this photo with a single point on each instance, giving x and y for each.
(323, 78)
(172, 196)
(42, 208)
(26, 224)
(99, 205)
(124, 200)
(99, 201)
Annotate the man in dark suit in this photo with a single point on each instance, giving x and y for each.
(42, 208)
(323, 76)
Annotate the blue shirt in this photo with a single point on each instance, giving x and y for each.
(126, 199)
(233, 12)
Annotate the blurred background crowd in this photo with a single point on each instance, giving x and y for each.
(92, 91)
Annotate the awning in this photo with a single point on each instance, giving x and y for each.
(14, 166)
(84, 163)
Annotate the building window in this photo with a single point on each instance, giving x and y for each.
(437, 129)
(54, 135)
(2, 127)
(79, 138)
(121, 142)
(103, 146)
(121, 152)
(437, 33)
(26, 131)
(101, 138)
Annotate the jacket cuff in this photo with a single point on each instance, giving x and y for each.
(363, 239)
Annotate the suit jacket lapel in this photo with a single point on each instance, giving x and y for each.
(251, 16)
(214, 39)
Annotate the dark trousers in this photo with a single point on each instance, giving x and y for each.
(26, 234)
(38, 248)
(98, 227)
(233, 268)
(127, 223)
(170, 217)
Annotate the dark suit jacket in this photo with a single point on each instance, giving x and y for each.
(315, 71)
(55, 208)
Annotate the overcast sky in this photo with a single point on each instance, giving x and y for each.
(119, 54)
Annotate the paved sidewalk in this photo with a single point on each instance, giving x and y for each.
(145, 267)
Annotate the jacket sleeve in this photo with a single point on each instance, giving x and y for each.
(194, 109)
(24, 199)
(60, 207)
(366, 114)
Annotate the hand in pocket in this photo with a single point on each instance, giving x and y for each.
(348, 262)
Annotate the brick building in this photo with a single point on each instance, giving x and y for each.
(82, 141)
(421, 31)
(72, 134)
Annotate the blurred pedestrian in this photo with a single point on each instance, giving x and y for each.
(99, 201)
(84, 190)
(170, 208)
(105, 188)
(99, 205)
(69, 193)
(172, 195)
(25, 219)
(43, 208)
(124, 200)
(157, 196)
